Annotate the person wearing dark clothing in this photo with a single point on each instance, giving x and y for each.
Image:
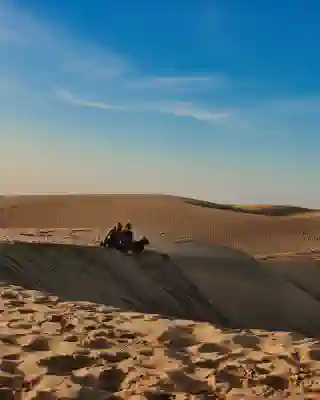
(112, 238)
(126, 237)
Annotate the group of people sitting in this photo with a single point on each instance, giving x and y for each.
(121, 238)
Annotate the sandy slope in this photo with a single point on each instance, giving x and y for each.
(64, 350)
(208, 321)
(88, 323)
(225, 287)
(174, 216)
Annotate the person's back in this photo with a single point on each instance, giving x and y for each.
(127, 236)
(113, 236)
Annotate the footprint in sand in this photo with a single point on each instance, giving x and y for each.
(160, 395)
(16, 303)
(38, 343)
(178, 337)
(87, 376)
(71, 338)
(314, 353)
(27, 310)
(46, 300)
(10, 294)
(213, 348)
(9, 366)
(184, 382)
(107, 379)
(21, 325)
(233, 375)
(10, 353)
(64, 364)
(247, 341)
(98, 342)
(115, 356)
(111, 379)
(11, 338)
(122, 334)
(12, 381)
(276, 382)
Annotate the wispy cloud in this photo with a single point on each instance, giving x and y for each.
(178, 109)
(56, 49)
(73, 99)
(181, 82)
(54, 57)
(61, 58)
(165, 81)
(188, 109)
(180, 79)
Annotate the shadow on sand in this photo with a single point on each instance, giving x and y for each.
(267, 211)
(229, 289)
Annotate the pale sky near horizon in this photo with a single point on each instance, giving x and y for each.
(217, 100)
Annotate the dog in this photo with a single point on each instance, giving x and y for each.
(137, 246)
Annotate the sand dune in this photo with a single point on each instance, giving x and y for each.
(175, 217)
(227, 287)
(64, 350)
(197, 316)
(260, 209)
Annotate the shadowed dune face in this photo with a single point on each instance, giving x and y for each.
(260, 209)
(98, 323)
(173, 216)
(230, 289)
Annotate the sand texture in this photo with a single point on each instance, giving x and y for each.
(225, 303)
(298, 230)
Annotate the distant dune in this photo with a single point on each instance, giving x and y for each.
(247, 229)
(261, 209)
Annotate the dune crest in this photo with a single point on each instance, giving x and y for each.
(227, 287)
(175, 217)
(225, 305)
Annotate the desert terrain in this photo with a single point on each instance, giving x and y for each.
(224, 304)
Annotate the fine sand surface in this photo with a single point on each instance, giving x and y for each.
(224, 304)
(175, 217)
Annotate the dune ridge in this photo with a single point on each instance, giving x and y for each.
(227, 288)
(173, 216)
(218, 308)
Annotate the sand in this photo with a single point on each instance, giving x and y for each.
(175, 217)
(211, 310)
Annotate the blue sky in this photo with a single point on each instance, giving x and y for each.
(217, 100)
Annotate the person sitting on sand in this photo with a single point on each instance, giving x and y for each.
(112, 238)
(126, 236)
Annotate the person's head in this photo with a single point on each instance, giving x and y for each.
(128, 226)
(118, 226)
(144, 240)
